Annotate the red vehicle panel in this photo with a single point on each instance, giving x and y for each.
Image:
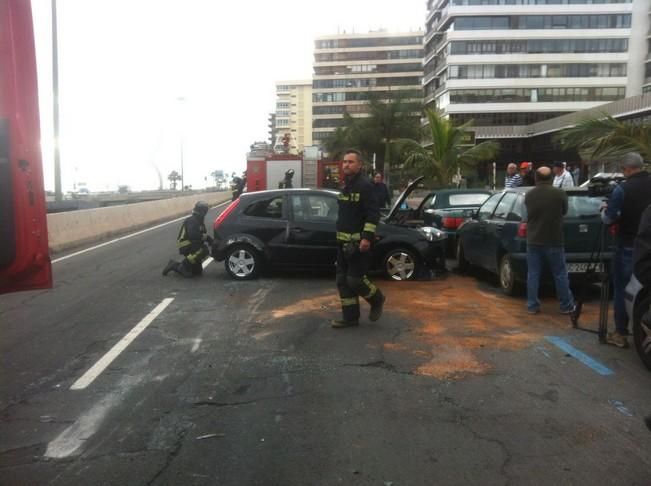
(24, 257)
(256, 175)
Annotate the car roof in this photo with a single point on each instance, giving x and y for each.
(298, 190)
(478, 190)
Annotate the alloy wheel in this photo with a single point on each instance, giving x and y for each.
(400, 265)
(241, 263)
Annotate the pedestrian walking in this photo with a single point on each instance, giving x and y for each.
(381, 191)
(356, 224)
(625, 206)
(193, 242)
(546, 206)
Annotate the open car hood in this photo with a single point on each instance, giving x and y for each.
(402, 198)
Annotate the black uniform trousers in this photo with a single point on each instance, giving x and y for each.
(353, 283)
(195, 254)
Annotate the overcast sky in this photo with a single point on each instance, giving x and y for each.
(124, 64)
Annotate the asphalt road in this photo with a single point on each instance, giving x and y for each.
(245, 383)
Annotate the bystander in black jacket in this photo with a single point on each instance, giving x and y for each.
(382, 194)
(637, 196)
(642, 250)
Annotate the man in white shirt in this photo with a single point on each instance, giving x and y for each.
(562, 178)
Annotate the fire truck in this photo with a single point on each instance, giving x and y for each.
(24, 257)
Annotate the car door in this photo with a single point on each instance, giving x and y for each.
(266, 219)
(312, 229)
(24, 256)
(474, 236)
(495, 228)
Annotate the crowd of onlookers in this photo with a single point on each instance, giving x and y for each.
(564, 175)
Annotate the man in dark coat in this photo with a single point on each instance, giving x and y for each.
(546, 206)
(193, 242)
(625, 206)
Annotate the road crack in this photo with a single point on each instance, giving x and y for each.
(379, 364)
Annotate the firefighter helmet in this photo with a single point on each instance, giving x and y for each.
(200, 208)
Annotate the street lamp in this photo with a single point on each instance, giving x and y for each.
(55, 108)
(181, 100)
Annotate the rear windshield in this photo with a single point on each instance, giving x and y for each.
(580, 205)
(472, 199)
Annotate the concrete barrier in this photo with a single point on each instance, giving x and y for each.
(76, 228)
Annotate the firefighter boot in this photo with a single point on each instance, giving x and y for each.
(171, 265)
(376, 308)
(185, 268)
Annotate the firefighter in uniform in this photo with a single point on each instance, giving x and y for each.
(358, 217)
(193, 243)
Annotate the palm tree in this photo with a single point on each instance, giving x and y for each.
(445, 155)
(607, 138)
(388, 121)
(173, 178)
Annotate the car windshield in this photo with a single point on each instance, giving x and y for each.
(468, 199)
(580, 205)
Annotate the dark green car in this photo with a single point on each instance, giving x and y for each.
(496, 237)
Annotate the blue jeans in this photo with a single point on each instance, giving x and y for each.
(622, 271)
(555, 256)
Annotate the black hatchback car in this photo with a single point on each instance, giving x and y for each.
(496, 237)
(295, 229)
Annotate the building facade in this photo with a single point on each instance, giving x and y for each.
(293, 117)
(348, 67)
(518, 62)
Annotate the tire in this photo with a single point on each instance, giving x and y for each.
(642, 330)
(242, 262)
(401, 264)
(463, 265)
(508, 284)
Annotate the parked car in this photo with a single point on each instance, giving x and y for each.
(496, 237)
(638, 302)
(295, 229)
(446, 209)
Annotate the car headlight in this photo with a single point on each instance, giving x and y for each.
(432, 234)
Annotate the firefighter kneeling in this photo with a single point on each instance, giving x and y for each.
(358, 217)
(193, 243)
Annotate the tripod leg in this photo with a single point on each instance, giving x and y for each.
(603, 309)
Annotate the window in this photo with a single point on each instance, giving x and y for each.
(266, 208)
(467, 199)
(487, 208)
(315, 208)
(505, 205)
(578, 205)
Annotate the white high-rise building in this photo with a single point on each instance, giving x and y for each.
(293, 117)
(349, 67)
(516, 62)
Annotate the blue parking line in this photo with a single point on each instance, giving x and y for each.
(580, 355)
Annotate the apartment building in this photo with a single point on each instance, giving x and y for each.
(517, 62)
(348, 67)
(293, 116)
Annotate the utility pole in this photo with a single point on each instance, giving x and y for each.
(55, 93)
(181, 100)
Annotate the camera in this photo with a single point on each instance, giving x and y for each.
(602, 185)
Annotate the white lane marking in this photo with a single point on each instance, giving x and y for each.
(195, 346)
(207, 262)
(73, 437)
(80, 252)
(90, 375)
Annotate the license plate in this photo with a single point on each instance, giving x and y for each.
(583, 267)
